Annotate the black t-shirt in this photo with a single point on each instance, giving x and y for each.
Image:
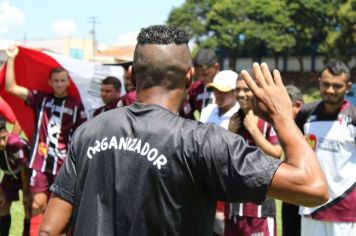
(142, 170)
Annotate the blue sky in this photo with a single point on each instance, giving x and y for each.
(118, 20)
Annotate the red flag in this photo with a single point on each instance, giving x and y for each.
(32, 68)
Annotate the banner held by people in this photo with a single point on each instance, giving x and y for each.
(32, 69)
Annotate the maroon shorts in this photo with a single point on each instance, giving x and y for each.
(250, 226)
(11, 187)
(40, 181)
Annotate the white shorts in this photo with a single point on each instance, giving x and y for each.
(312, 227)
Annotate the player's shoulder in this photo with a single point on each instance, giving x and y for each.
(309, 107)
(196, 85)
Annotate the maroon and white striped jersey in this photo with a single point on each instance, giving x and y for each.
(333, 137)
(57, 119)
(268, 207)
(199, 96)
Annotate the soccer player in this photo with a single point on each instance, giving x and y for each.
(329, 126)
(130, 96)
(249, 218)
(57, 116)
(110, 94)
(13, 163)
(143, 170)
(224, 85)
(290, 212)
(199, 95)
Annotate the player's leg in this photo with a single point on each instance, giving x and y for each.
(5, 219)
(39, 187)
(11, 187)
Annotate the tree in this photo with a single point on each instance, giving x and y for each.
(340, 42)
(312, 20)
(249, 25)
(192, 17)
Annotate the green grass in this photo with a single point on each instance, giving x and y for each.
(17, 214)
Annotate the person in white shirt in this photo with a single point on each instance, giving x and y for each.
(219, 113)
(224, 85)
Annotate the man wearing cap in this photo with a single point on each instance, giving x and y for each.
(224, 85)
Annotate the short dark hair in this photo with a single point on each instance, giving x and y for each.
(167, 69)
(115, 82)
(295, 94)
(57, 70)
(336, 67)
(2, 123)
(205, 57)
(162, 35)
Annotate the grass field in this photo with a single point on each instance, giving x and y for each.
(18, 216)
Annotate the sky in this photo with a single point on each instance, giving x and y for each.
(118, 20)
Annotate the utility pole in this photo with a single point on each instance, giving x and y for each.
(93, 21)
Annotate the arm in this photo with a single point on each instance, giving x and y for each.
(56, 217)
(250, 122)
(300, 179)
(10, 83)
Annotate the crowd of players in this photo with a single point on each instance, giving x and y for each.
(216, 96)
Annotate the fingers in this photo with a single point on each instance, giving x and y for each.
(267, 74)
(258, 74)
(277, 78)
(249, 81)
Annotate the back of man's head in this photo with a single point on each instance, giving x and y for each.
(337, 68)
(161, 58)
(295, 94)
(115, 82)
(205, 57)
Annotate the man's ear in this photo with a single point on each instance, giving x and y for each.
(189, 77)
(349, 86)
(50, 82)
(217, 66)
(132, 77)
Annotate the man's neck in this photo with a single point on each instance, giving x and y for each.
(169, 99)
(223, 110)
(63, 95)
(332, 108)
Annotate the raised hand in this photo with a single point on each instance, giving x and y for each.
(12, 52)
(271, 100)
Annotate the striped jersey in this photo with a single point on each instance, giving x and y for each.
(57, 119)
(332, 136)
(268, 207)
(199, 96)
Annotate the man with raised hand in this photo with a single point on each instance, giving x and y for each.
(143, 170)
(57, 117)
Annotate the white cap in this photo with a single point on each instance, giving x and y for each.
(224, 81)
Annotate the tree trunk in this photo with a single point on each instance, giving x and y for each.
(276, 61)
(232, 61)
(301, 65)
